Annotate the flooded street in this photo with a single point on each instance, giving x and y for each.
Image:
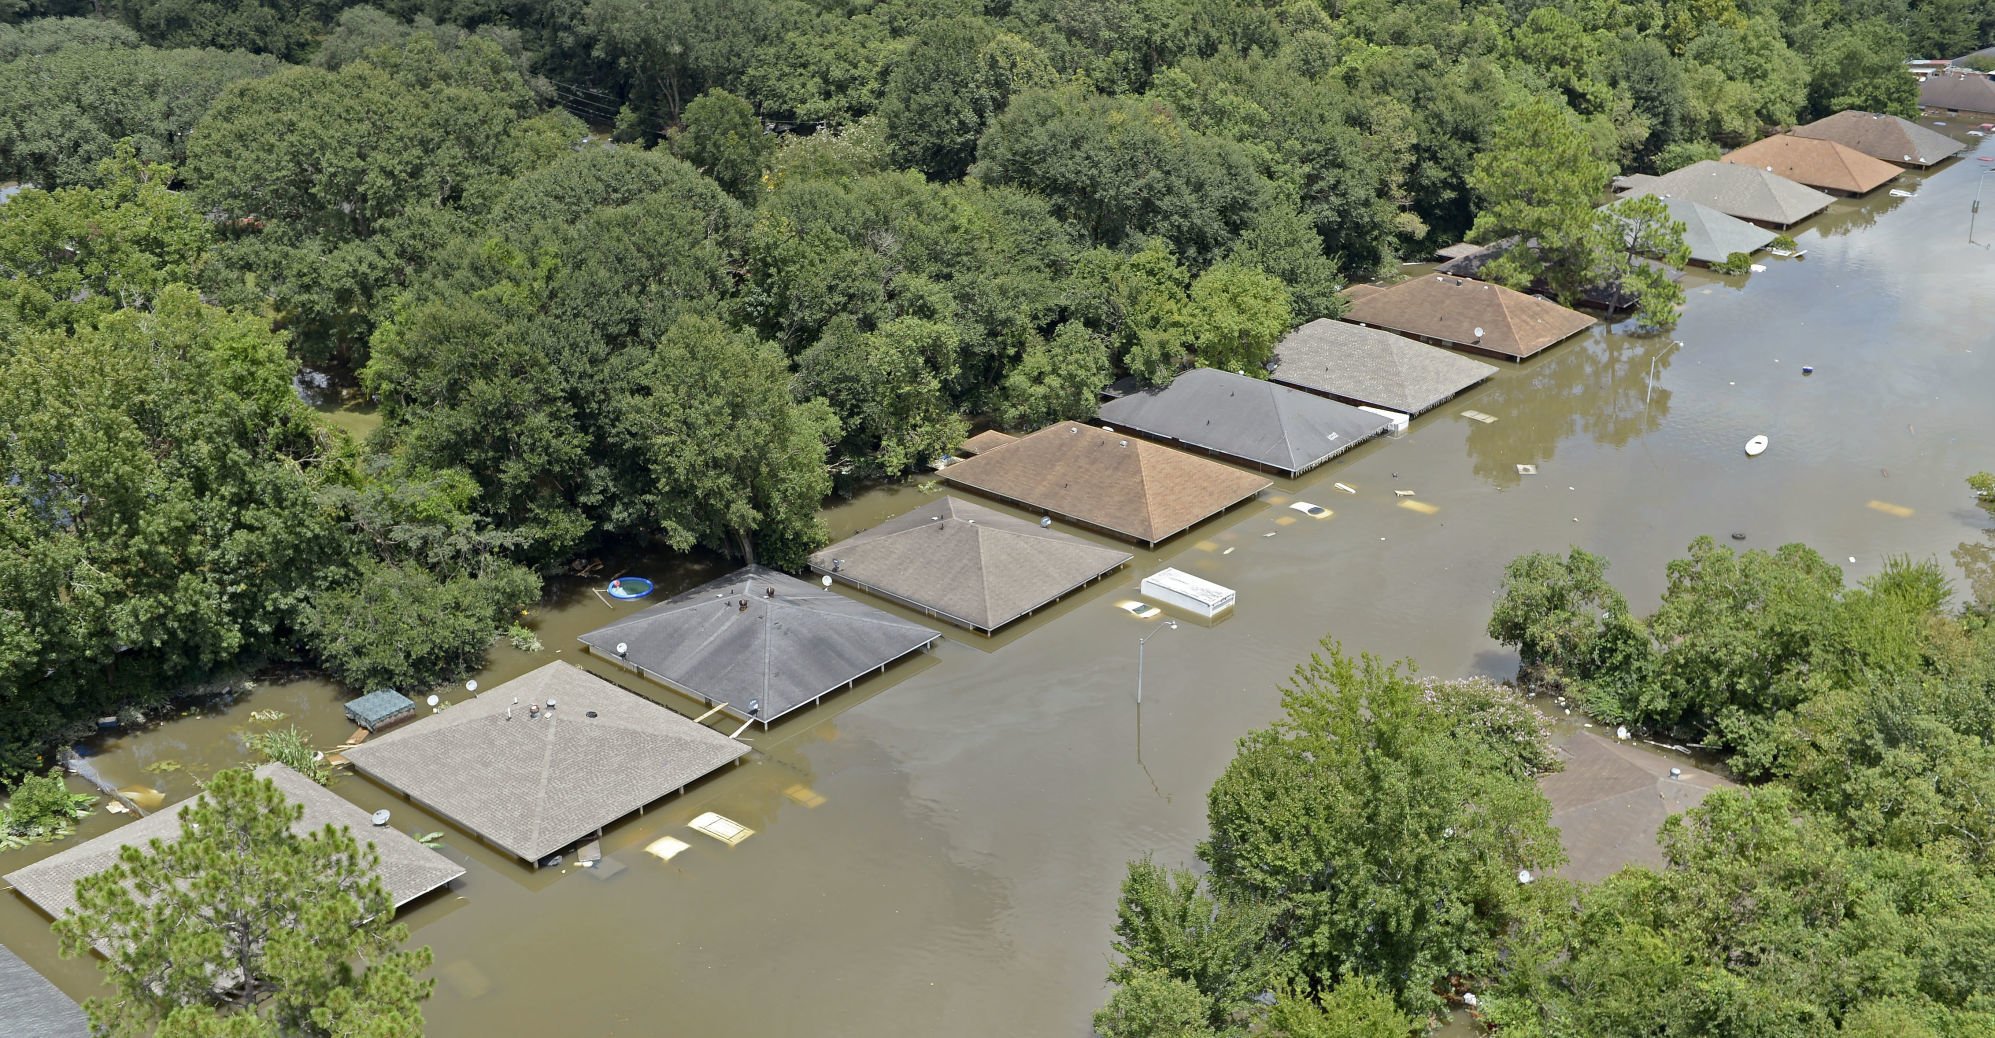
(941, 848)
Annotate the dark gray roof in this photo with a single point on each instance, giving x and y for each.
(408, 869)
(1747, 192)
(1959, 91)
(966, 563)
(535, 784)
(730, 641)
(1711, 235)
(1373, 366)
(1884, 137)
(1247, 418)
(378, 708)
(31, 1006)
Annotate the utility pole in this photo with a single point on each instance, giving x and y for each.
(1971, 213)
(1169, 625)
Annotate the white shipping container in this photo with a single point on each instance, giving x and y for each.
(1181, 590)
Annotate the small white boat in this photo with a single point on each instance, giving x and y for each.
(1756, 446)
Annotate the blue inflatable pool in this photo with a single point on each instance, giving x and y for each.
(629, 587)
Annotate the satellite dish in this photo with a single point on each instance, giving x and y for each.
(381, 817)
(1045, 521)
(1478, 333)
(754, 706)
(432, 699)
(826, 581)
(622, 648)
(471, 686)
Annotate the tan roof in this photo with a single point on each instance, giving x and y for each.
(1815, 162)
(408, 869)
(966, 563)
(533, 785)
(1451, 310)
(984, 441)
(1128, 486)
(1884, 137)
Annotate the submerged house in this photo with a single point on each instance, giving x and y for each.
(973, 566)
(1373, 367)
(1885, 137)
(1821, 164)
(544, 760)
(1711, 235)
(1959, 90)
(30, 1005)
(1743, 192)
(1249, 420)
(408, 869)
(1106, 481)
(758, 643)
(1466, 315)
(1607, 295)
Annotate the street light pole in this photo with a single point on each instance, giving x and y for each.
(1973, 212)
(1169, 625)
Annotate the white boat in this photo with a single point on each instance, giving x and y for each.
(1756, 446)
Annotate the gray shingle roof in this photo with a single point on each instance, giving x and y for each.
(1884, 137)
(1711, 235)
(1959, 91)
(30, 1005)
(1747, 192)
(730, 641)
(408, 869)
(533, 785)
(1373, 366)
(1130, 487)
(1247, 418)
(968, 564)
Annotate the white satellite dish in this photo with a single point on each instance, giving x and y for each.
(1045, 521)
(826, 581)
(432, 699)
(471, 686)
(1478, 333)
(622, 648)
(381, 817)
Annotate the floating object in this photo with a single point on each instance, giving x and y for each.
(1807, 369)
(826, 581)
(1142, 610)
(1345, 488)
(1621, 732)
(1228, 551)
(1469, 999)
(379, 817)
(628, 588)
(1193, 594)
(665, 848)
(1852, 558)
(1781, 252)
(722, 828)
(1478, 416)
(145, 797)
(1898, 193)
(1888, 508)
(1310, 510)
(1758, 268)
(1527, 470)
(1402, 493)
(1270, 533)
(1756, 446)
(1738, 536)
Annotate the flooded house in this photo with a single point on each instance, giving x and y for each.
(1107, 481)
(758, 644)
(1886, 137)
(407, 869)
(30, 1005)
(547, 759)
(1743, 192)
(1371, 367)
(973, 566)
(1248, 420)
(1461, 314)
(1957, 91)
(1814, 162)
(1711, 236)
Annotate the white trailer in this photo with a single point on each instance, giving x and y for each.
(1195, 595)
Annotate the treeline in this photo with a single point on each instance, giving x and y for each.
(1381, 850)
(694, 335)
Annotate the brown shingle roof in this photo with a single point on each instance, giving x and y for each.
(1884, 137)
(983, 442)
(408, 869)
(533, 785)
(966, 563)
(1140, 490)
(1449, 310)
(1815, 162)
(1959, 91)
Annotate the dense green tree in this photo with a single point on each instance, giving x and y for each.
(833, 71)
(1644, 256)
(1152, 1004)
(886, 387)
(287, 30)
(404, 626)
(1386, 842)
(667, 52)
(1058, 379)
(238, 916)
(1862, 67)
(51, 34)
(722, 138)
(1236, 316)
(1358, 1007)
(955, 76)
(1539, 182)
(1168, 924)
(62, 113)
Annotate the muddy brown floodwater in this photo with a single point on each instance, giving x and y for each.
(941, 848)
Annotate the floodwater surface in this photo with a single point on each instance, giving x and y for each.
(940, 849)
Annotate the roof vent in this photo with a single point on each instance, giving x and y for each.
(1125, 443)
(768, 592)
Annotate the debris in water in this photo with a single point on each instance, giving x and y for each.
(1527, 470)
(1738, 536)
(117, 808)
(145, 798)
(1621, 732)
(1807, 369)
(1345, 489)
(1478, 416)
(1270, 533)
(1900, 193)
(1852, 558)
(1228, 551)
(1758, 268)
(1402, 493)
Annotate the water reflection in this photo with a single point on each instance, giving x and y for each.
(1606, 384)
